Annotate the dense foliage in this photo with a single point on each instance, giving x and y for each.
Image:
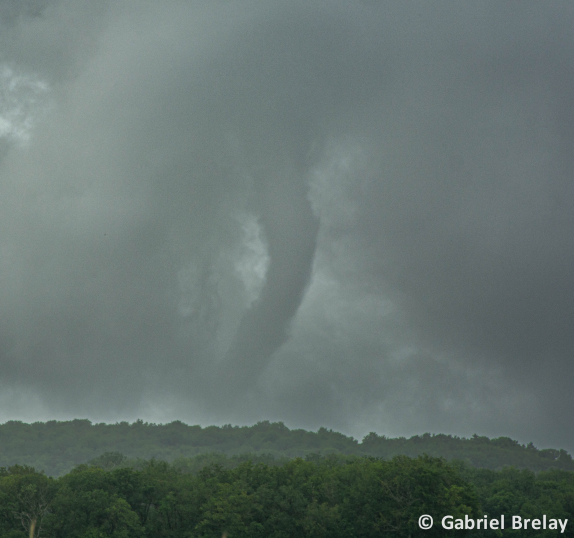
(334, 496)
(57, 447)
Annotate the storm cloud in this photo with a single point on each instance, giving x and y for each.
(357, 215)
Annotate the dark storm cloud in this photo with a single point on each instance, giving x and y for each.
(357, 216)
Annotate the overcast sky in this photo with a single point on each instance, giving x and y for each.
(350, 214)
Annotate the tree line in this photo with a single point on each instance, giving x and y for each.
(320, 496)
(57, 447)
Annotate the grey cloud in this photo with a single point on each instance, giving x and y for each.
(405, 174)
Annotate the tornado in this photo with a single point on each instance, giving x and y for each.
(291, 230)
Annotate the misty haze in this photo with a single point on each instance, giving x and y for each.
(351, 215)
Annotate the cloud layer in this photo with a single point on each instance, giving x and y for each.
(357, 217)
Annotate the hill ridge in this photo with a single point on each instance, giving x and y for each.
(58, 446)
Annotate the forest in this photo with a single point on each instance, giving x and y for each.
(58, 447)
(319, 496)
(76, 479)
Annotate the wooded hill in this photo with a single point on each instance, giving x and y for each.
(57, 447)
